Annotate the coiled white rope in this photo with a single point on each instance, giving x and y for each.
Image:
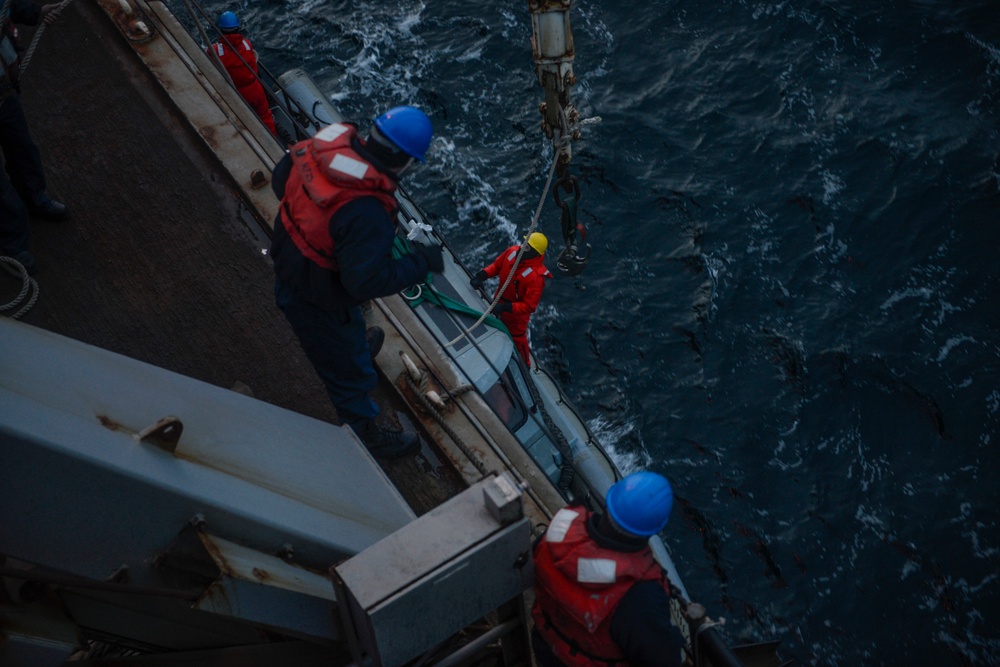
(15, 268)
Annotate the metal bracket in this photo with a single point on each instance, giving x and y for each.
(163, 434)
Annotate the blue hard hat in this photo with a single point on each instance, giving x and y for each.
(408, 128)
(228, 21)
(641, 503)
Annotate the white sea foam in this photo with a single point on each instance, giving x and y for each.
(610, 435)
(909, 567)
(978, 549)
(775, 462)
(832, 184)
(471, 54)
(991, 52)
(951, 344)
(411, 19)
(762, 243)
(908, 293)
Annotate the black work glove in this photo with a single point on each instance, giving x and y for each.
(503, 307)
(432, 254)
(477, 280)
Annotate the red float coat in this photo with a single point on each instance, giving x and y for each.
(578, 586)
(244, 76)
(524, 292)
(327, 173)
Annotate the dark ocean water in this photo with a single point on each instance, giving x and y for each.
(792, 308)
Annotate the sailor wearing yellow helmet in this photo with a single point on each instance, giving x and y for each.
(524, 291)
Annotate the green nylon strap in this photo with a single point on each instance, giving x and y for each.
(428, 294)
(568, 219)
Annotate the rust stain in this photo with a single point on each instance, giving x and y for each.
(111, 424)
(213, 550)
(217, 594)
(208, 133)
(261, 575)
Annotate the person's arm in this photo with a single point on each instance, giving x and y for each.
(280, 175)
(642, 628)
(49, 13)
(363, 237)
(492, 270)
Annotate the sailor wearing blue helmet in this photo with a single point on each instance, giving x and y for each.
(332, 251)
(600, 597)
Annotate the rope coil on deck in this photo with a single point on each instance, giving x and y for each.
(28, 284)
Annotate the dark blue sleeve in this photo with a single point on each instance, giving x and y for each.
(642, 628)
(363, 236)
(280, 175)
(24, 12)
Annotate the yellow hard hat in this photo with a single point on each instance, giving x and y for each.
(538, 242)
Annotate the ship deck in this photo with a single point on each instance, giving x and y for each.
(162, 258)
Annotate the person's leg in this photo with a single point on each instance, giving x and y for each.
(521, 343)
(15, 230)
(24, 160)
(335, 344)
(518, 329)
(24, 163)
(339, 349)
(257, 99)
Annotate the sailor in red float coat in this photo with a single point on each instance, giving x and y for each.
(579, 586)
(520, 299)
(244, 76)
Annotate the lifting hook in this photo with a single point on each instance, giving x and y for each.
(570, 261)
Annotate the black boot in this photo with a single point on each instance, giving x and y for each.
(50, 209)
(387, 443)
(375, 337)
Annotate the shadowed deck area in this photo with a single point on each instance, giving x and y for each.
(161, 259)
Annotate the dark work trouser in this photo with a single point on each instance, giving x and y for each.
(335, 344)
(23, 182)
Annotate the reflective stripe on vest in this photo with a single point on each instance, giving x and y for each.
(348, 165)
(595, 571)
(220, 48)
